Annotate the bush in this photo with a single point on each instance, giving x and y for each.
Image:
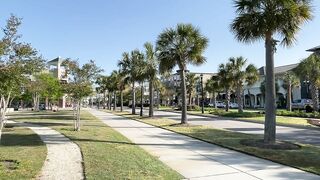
(220, 112)
(298, 114)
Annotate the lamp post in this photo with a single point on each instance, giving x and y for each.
(202, 94)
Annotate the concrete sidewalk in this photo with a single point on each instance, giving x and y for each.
(196, 159)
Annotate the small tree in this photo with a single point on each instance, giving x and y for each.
(191, 81)
(14, 56)
(213, 86)
(226, 81)
(309, 69)
(290, 80)
(80, 84)
(102, 82)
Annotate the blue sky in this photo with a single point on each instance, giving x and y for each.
(102, 29)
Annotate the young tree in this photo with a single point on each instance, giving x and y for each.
(80, 83)
(213, 86)
(129, 65)
(14, 56)
(181, 46)
(242, 74)
(262, 20)
(102, 82)
(151, 73)
(290, 80)
(309, 69)
(191, 82)
(226, 81)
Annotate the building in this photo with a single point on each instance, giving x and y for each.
(56, 69)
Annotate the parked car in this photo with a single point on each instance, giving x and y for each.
(233, 105)
(302, 104)
(220, 104)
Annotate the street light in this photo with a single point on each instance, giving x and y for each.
(202, 94)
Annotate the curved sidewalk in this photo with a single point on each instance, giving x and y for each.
(196, 159)
(64, 159)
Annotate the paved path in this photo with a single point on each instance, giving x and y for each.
(299, 135)
(196, 159)
(64, 159)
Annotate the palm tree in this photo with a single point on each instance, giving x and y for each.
(122, 83)
(242, 75)
(262, 19)
(129, 65)
(191, 81)
(102, 82)
(151, 72)
(225, 81)
(290, 80)
(113, 87)
(181, 46)
(212, 86)
(309, 69)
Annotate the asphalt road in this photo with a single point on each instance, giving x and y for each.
(293, 134)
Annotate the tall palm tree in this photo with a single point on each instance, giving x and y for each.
(151, 72)
(241, 75)
(263, 19)
(290, 80)
(129, 65)
(113, 87)
(213, 86)
(191, 81)
(122, 83)
(226, 81)
(181, 46)
(309, 69)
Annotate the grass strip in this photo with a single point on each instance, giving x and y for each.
(107, 154)
(22, 153)
(306, 158)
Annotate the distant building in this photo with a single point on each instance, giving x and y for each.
(57, 70)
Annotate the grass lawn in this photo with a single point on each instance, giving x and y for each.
(22, 153)
(307, 158)
(283, 120)
(107, 154)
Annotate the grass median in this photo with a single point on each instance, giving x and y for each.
(107, 154)
(22, 153)
(306, 158)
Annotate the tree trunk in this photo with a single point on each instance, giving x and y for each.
(249, 94)
(270, 103)
(151, 98)
(184, 119)
(141, 99)
(315, 96)
(289, 106)
(190, 99)
(115, 101)
(109, 100)
(158, 99)
(133, 99)
(239, 99)
(214, 100)
(227, 99)
(78, 117)
(121, 99)
(104, 100)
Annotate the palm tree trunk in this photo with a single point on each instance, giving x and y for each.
(227, 99)
(158, 98)
(315, 96)
(239, 99)
(289, 106)
(214, 100)
(270, 103)
(141, 100)
(110, 100)
(104, 100)
(250, 103)
(115, 100)
(151, 100)
(190, 99)
(121, 99)
(184, 119)
(133, 99)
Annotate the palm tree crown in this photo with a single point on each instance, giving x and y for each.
(258, 18)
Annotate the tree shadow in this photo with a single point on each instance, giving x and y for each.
(9, 139)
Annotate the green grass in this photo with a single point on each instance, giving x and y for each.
(307, 158)
(22, 154)
(283, 120)
(107, 154)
